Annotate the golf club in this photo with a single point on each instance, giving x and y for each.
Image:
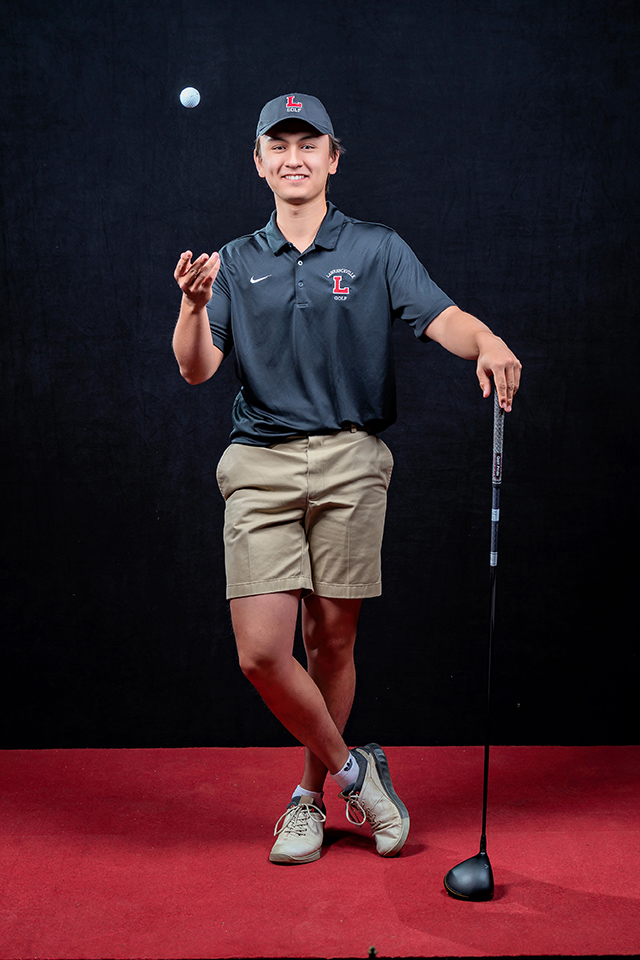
(472, 879)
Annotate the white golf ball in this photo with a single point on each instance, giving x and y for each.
(189, 97)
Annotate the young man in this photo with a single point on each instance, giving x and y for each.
(308, 303)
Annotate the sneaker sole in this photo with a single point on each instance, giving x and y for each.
(382, 766)
(291, 861)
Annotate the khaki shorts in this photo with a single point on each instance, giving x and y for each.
(306, 514)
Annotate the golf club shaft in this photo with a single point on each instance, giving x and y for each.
(496, 480)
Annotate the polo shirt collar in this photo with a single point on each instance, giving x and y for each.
(326, 237)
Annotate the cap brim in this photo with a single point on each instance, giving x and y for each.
(291, 120)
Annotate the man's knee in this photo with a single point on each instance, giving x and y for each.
(259, 666)
(264, 627)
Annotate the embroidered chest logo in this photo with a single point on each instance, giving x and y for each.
(340, 281)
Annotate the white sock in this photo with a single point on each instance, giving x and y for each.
(303, 792)
(346, 777)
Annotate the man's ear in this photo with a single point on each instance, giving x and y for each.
(258, 162)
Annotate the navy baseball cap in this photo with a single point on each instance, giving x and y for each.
(294, 106)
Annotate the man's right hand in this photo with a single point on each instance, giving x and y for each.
(196, 279)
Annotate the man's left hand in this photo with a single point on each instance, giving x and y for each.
(497, 360)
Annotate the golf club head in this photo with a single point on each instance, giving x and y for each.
(471, 880)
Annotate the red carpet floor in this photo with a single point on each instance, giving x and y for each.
(163, 854)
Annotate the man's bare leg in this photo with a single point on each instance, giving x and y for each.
(264, 628)
(329, 631)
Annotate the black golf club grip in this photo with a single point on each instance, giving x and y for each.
(496, 478)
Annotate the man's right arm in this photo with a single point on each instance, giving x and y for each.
(197, 355)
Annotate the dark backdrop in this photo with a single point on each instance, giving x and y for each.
(500, 138)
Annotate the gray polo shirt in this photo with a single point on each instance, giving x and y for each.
(312, 330)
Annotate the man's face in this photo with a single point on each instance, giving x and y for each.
(296, 161)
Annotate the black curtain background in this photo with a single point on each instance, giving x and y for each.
(500, 139)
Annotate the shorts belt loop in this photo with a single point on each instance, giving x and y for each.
(354, 429)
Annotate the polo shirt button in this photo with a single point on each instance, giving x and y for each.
(300, 283)
(300, 263)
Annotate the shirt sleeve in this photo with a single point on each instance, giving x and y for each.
(219, 312)
(413, 295)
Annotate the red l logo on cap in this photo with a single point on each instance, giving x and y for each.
(292, 103)
(337, 280)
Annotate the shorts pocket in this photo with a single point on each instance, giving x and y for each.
(222, 476)
(386, 461)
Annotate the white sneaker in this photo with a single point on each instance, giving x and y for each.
(300, 832)
(373, 800)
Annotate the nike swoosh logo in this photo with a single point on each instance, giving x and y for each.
(258, 279)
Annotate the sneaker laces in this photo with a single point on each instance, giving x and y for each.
(358, 815)
(294, 820)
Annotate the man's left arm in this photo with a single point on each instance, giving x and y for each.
(466, 336)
